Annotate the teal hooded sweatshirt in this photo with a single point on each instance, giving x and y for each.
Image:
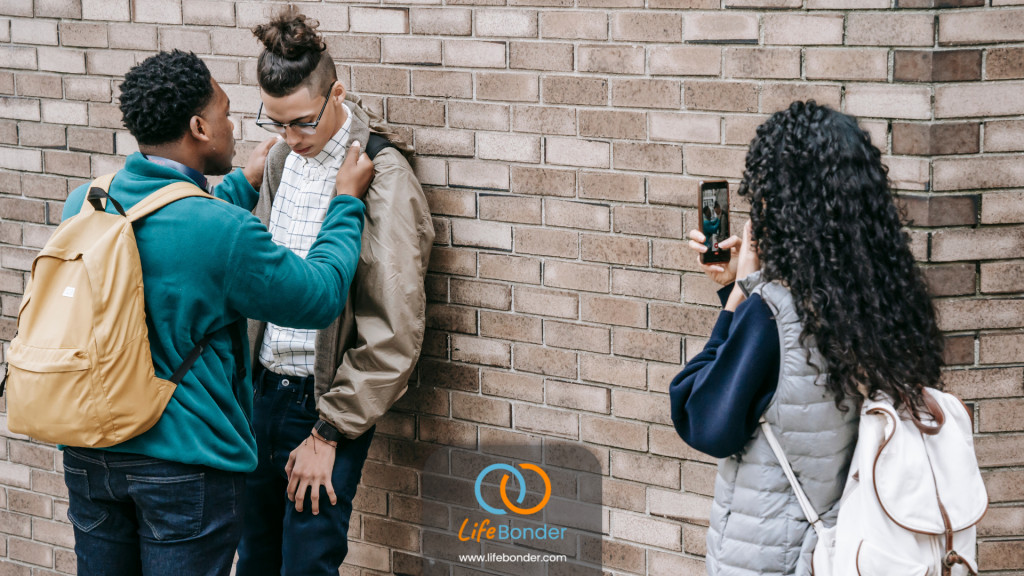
(207, 266)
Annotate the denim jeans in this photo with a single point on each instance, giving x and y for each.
(278, 540)
(136, 515)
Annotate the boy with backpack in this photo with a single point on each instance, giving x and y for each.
(131, 348)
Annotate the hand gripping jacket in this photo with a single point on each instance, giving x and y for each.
(79, 369)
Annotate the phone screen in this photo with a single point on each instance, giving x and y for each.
(714, 219)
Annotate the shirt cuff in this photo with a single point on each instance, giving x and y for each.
(724, 292)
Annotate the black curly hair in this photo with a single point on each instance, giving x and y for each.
(825, 224)
(160, 96)
(294, 55)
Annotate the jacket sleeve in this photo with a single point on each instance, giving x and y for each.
(235, 189)
(721, 393)
(271, 283)
(388, 301)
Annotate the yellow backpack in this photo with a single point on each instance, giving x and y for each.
(79, 368)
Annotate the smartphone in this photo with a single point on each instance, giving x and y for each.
(714, 218)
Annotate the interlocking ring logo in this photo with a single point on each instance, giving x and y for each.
(522, 489)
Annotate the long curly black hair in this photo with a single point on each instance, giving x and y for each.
(825, 224)
(160, 96)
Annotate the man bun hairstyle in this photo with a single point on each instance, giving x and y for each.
(160, 96)
(294, 55)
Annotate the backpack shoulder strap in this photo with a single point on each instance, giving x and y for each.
(801, 497)
(164, 196)
(375, 144)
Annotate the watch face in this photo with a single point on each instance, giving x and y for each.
(327, 431)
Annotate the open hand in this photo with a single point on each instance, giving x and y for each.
(723, 273)
(253, 169)
(356, 173)
(310, 466)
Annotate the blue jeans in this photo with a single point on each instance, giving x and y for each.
(277, 539)
(136, 515)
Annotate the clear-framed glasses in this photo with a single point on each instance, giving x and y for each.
(304, 127)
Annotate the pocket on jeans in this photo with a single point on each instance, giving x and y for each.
(309, 409)
(82, 512)
(172, 507)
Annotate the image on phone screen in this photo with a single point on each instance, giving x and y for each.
(714, 220)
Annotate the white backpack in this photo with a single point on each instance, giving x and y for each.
(913, 495)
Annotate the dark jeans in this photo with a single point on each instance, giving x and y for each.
(277, 539)
(136, 515)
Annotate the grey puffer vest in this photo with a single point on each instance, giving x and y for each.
(757, 527)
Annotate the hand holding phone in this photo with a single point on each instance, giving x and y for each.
(721, 272)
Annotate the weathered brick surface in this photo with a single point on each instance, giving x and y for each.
(559, 144)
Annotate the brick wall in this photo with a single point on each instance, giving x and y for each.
(559, 144)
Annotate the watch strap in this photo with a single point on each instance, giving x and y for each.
(329, 432)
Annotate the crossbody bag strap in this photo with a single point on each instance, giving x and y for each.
(801, 497)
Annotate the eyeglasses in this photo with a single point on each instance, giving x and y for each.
(304, 127)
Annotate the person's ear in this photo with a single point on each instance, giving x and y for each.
(199, 129)
(338, 91)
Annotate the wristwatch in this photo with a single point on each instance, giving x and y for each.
(328, 432)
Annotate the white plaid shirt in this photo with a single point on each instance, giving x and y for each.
(307, 186)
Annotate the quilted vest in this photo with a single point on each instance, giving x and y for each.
(757, 526)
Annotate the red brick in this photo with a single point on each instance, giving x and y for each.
(546, 302)
(646, 27)
(540, 56)
(648, 157)
(617, 311)
(614, 250)
(576, 152)
(847, 64)
(544, 120)
(586, 277)
(506, 23)
(481, 351)
(442, 83)
(574, 25)
(610, 59)
(571, 214)
(511, 268)
(647, 345)
(544, 242)
(968, 100)
(575, 90)
(608, 370)
(646, 93)
(686, 60)
(720, 27)
(441, 21)
(543, 360)
(762, 62)
(508, 87)
(799, 29)
(475, 54)
(726, 96)
(987, 27)
(977, 172)
(511, 327)
(776, 97)
(543, 181)
(577, 337)
(888, 29)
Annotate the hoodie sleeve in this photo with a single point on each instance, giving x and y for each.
(721, 393)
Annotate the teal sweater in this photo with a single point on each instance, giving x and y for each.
(207, 266)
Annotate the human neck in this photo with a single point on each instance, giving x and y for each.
(178, 152)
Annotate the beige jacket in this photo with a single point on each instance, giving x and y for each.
(364, 359)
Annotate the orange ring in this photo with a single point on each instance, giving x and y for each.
(544, 500)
